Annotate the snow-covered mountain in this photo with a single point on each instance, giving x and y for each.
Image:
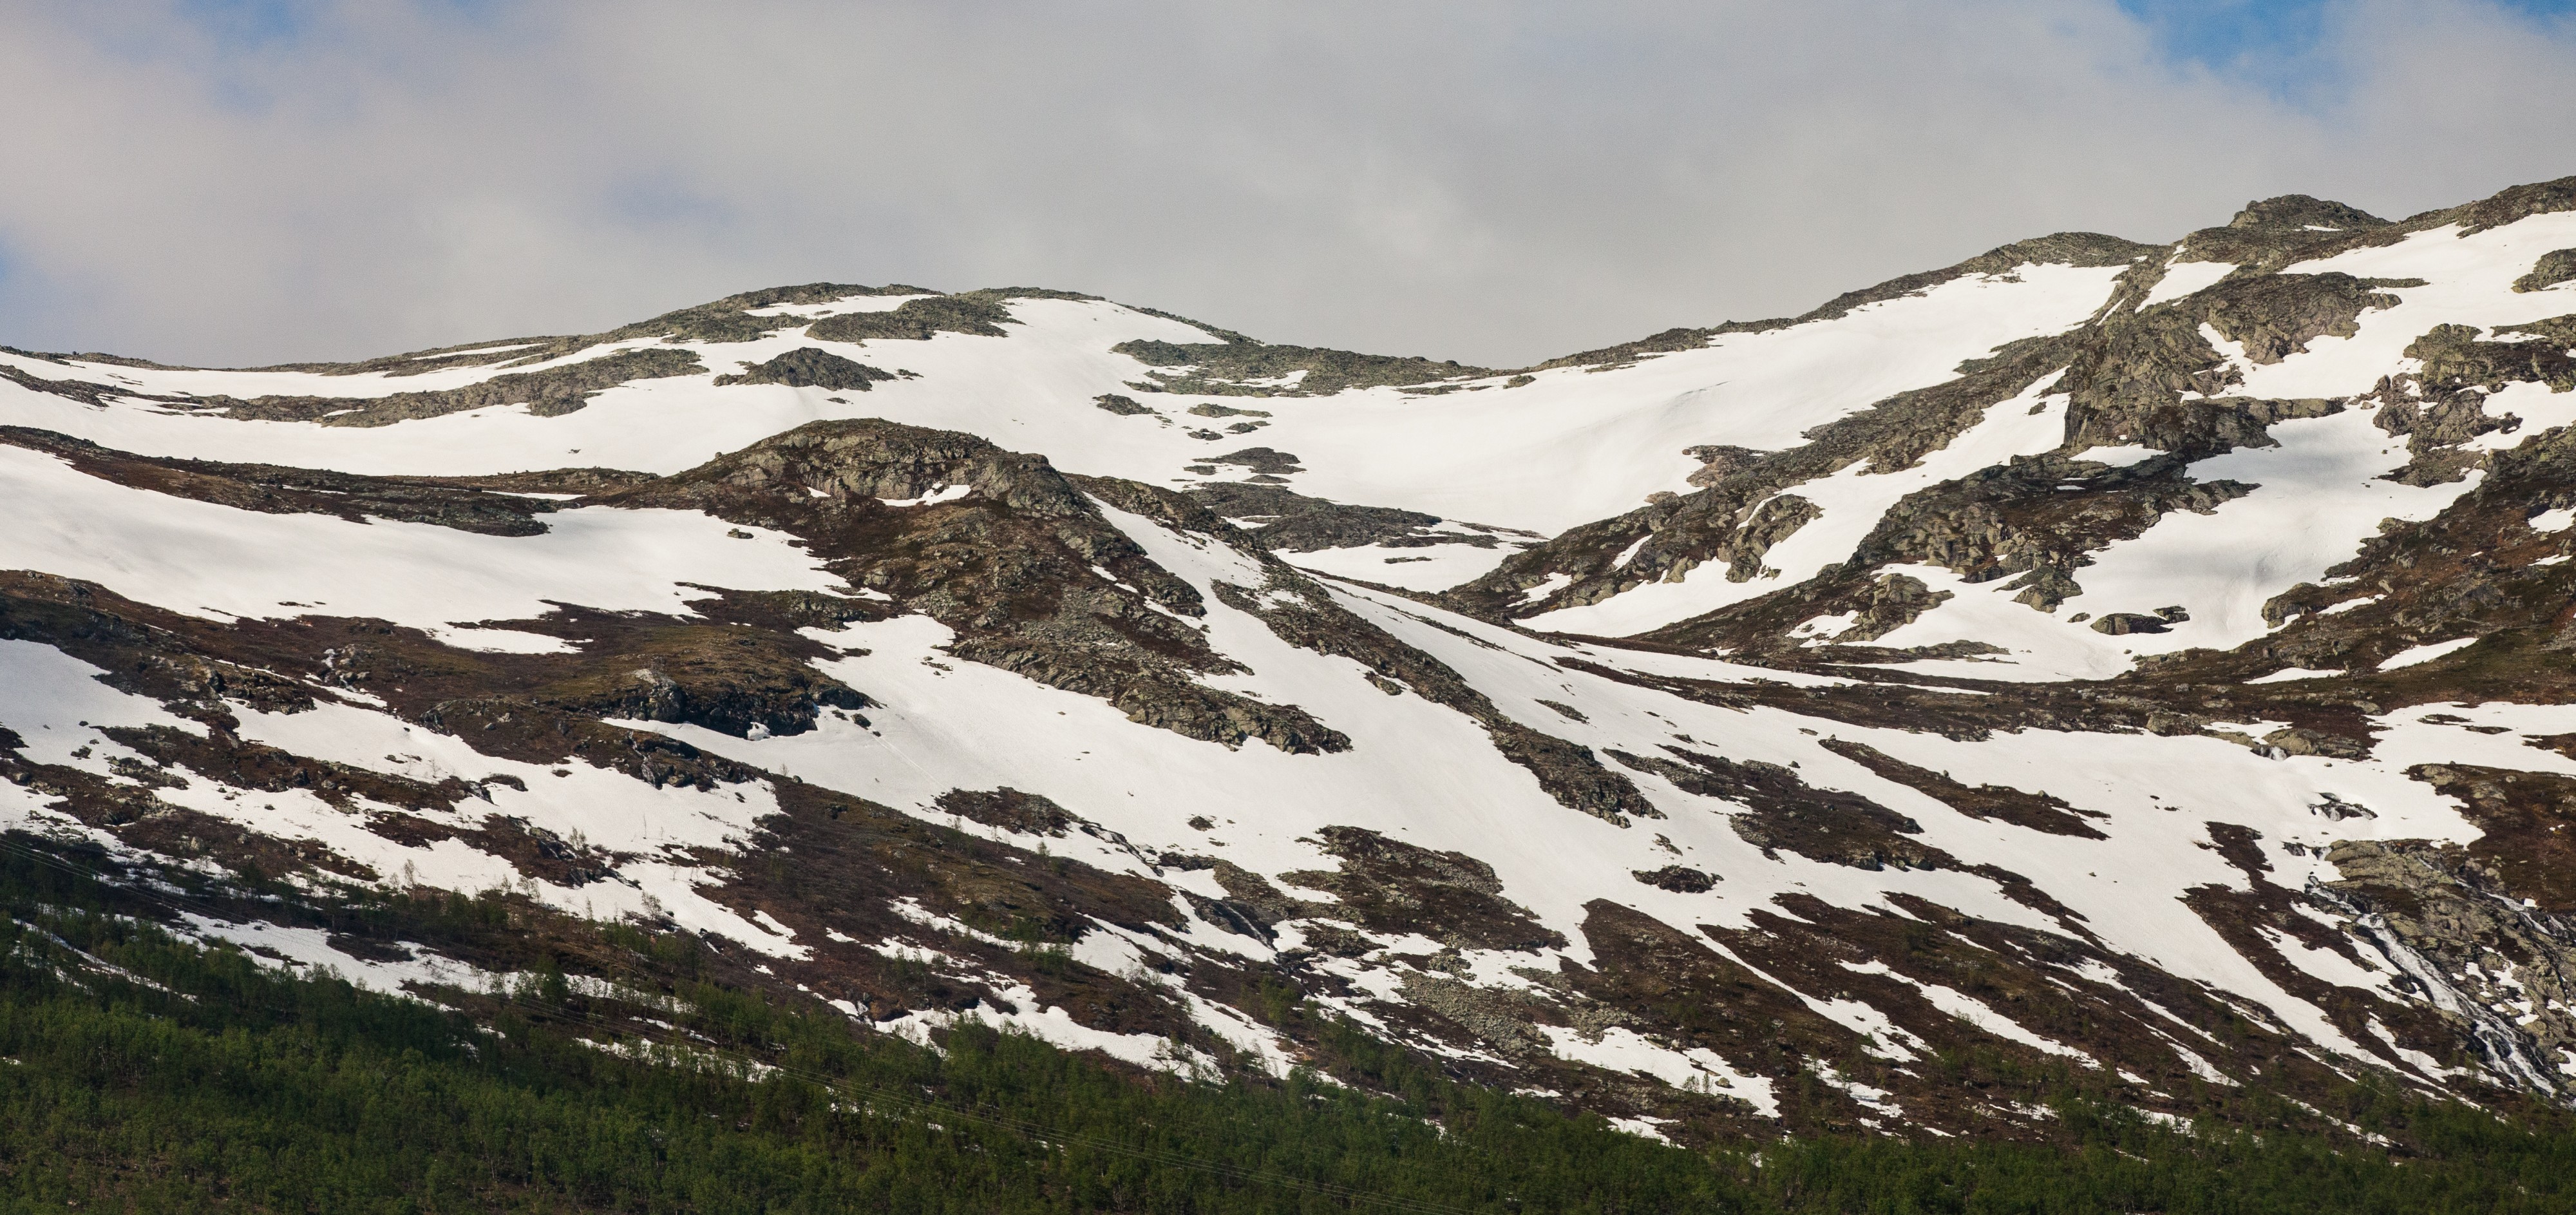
(2136, 669)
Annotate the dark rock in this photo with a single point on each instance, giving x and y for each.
(1223, 369)
(1679, 879)
(1008, 809)
(808, 367)
(1783, 811)
(548, 393)
(1260, 460)
(978, 314)
(1285, 521)
(1392, 887)
(2036, 811)
(2554, 267)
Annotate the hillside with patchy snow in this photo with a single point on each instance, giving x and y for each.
(2142, 670)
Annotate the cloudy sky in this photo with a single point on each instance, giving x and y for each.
(232, 182)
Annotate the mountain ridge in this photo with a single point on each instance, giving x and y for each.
(1883, 718)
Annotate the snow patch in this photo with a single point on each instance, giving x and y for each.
(201, 559)
(2426, 653)
(2185, 278)
(945, 493)
(1698, 1070)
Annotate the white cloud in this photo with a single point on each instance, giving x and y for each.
(1485, 181)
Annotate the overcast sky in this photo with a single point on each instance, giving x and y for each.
(237, 182)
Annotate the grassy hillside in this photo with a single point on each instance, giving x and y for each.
(144, 1073)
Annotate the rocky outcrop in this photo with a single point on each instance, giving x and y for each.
(270, 489)
(2444, 925)
(973, 313)
(1022, 566)
(550, 392)
(1283, 520)
(808, 367)
(1248, 368)
(1390, 887)
(2554, 267)
(1782, 812)
(2037, 811)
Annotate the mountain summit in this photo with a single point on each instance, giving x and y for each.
(2145, 671)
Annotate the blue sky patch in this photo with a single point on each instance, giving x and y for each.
(2269, 43)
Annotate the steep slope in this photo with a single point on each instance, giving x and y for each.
(2094, 667)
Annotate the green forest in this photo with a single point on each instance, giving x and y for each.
(140, 1071)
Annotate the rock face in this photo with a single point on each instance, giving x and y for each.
(2139, 671)
(1020, 563)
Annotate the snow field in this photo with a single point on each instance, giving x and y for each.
(44, 693)
(2414, 655)
(2470, 282)
(201, 559)
(2158, 792)
(1107, 948)
(2184, 278)
(1578, 445)
(1447, 565)
(1620, 1049)
(1853, 500)
(1030, 391)
(2405, 738)
(2135, 909)
(1449, 791)
(247, 385)
(1569, 448)
(56, 705)
(2320, 492)
(2540, 409)
(656, 828)
(2332, 967)
(1454, 791)
(2318, 496)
